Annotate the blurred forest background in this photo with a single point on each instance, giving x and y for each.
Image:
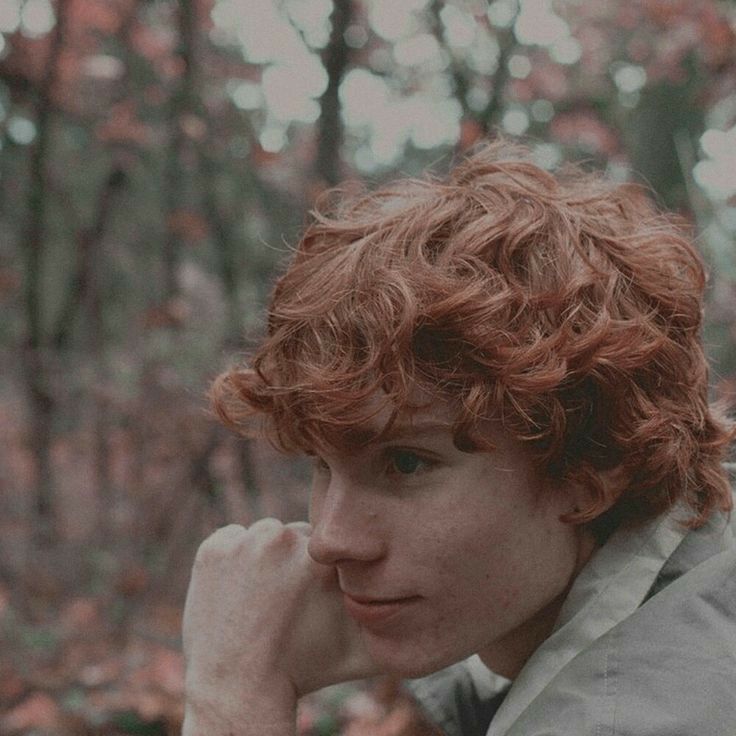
(157, 159)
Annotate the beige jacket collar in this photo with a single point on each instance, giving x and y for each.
(609, 589)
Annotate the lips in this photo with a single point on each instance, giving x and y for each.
(374, 611)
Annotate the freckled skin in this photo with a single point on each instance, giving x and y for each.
(476, 535)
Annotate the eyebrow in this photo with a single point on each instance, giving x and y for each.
(371, 434)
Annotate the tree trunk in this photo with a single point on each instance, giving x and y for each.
(487, 118)
(96, 347)
(226, 245)
(665, 111)
(330, 128)
(36, 355)
(175, 179)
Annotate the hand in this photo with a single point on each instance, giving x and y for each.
(264, 624)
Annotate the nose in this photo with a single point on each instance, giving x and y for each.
(344, 526)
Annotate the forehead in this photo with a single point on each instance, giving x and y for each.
(399, 430)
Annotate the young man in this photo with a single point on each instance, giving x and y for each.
(500, 378)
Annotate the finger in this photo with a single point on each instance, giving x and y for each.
(303, 527)
(267, 524)
(227, 532)
(221, 541)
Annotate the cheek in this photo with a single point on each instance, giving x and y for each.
(508, 569)
(478, 590)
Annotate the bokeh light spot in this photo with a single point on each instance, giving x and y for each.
(21, 130)
(501, 13)
(417, 50)
(394, 20)
(566, 50)
(717, 173)
(538, 24)
(629, 77)
(460, 27)
(312, 19)
(542, 110)
(9, 16)
(519, 66)
(515, 121)
(483, 55)
(289, 89)
(356, 37)
(37, 18)
(246, 95)
(272, 139)
(547, 155)
(363, 96)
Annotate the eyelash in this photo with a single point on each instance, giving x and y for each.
(393, 454)
(390, 456)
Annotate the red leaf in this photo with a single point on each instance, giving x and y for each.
(37, 711)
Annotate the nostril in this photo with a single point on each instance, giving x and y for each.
(330, 544)
(321, 549)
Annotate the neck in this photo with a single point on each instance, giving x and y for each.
(508, 655)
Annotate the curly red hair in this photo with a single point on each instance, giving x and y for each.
(561, 305)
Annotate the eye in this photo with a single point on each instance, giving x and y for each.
(405, 462)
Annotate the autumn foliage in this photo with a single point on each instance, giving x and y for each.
(153, 175)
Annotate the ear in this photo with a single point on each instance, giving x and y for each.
(595, 494)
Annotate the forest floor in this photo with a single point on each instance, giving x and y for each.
(90, 626)
(90, 665)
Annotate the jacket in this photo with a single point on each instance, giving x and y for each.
(645, 645)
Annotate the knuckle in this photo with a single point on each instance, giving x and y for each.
(220, 543)
(226, 534)
(273, 535)
(288, 537)
(264, 534)
(295, 533)
(267, 535)
(265, 524)
(265, 530)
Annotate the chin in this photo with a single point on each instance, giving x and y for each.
(409, 661)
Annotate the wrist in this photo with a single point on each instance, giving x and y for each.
(198, 723)
(215, 712)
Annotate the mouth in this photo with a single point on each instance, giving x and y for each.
(373, 611)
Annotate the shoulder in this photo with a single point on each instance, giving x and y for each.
(668, 668)
(674, 660)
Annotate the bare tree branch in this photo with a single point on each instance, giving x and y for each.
(487, 118)
(88, 244)
(330, 128)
